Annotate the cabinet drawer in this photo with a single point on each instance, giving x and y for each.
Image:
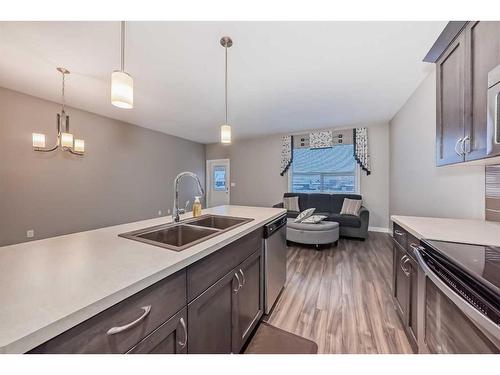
(399, 235)
(164, 298)
(206, 272)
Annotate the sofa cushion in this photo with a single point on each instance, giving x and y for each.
(291, 203)
(302, 199)
(351, 207)
(337, 200)
(319, 201)
(346, 220)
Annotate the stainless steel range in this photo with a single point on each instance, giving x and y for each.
(459, 298)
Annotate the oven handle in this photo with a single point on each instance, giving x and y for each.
(486, 325)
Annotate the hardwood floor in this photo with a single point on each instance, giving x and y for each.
(340, 297)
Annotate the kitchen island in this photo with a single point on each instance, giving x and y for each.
(50, 286)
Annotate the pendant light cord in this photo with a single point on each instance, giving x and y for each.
(122, 45)
(62, 92)
(225, 77)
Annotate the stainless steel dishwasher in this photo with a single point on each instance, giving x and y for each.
(274, 261)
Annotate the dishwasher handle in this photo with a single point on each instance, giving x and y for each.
(272, 227)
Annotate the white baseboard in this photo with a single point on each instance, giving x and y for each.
(379, 229)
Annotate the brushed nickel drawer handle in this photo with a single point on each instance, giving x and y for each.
(243, 276)
(239, 283)
(115, 330)
(183, 325)
(456, 145)
(398, 232)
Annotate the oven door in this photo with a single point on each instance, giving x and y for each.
(448, 323)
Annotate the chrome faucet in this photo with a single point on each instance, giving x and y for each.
(176, 210)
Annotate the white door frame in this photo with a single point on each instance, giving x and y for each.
(208, 187)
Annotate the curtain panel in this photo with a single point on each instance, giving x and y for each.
(361, 154)
(286, 153)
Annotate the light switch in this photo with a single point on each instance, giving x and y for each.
(233, 184)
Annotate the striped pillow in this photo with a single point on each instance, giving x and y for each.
(291, 203)
(351, 206)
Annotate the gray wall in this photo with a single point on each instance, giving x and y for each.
(255, 165)
(417, 186)
(125, 175)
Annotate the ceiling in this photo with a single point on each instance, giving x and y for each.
(283, 76)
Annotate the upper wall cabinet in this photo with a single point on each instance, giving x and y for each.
(464, 55)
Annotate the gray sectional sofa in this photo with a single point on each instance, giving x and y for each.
(330, 205)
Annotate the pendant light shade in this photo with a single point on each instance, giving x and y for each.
(225, 134)
(122, 84)
(122, 90)
(225, 130)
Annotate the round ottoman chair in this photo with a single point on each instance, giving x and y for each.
(324, 232)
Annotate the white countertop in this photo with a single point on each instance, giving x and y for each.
(51, 285)
(479, 232)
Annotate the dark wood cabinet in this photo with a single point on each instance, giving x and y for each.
(450, 103)
(483, 54)
(401, 288)
(248, 301)
(413, 300)
(222, 318)
(461, 92)
(131, 320)
(170, 338)
(405, 282)
(210, 318)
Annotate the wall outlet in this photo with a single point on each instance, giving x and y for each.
(168, 211)
(233, 184)
(30, 233)
(160, 212)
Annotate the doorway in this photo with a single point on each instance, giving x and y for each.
(218, 182)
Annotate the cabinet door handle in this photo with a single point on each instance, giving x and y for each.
(184, 329)
(408, 270)
(398, 232)
(239, 283)
(403, 260)
(115, 330)
(243, 276)
(464, 145)
(456, 145)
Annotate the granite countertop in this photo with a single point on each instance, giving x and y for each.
(49, 286)
(479, 232)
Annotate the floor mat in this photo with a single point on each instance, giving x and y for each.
(271, 340)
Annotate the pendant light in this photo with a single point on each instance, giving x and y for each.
(122, 84)
(64, 138)
(225, 130)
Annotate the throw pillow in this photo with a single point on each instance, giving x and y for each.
(351, 206)
(304, 215)
(314, 219)
(291, 203)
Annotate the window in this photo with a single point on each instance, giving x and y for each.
(330, 170)
(219, 179)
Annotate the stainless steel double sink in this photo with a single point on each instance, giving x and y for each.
(186, 233)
